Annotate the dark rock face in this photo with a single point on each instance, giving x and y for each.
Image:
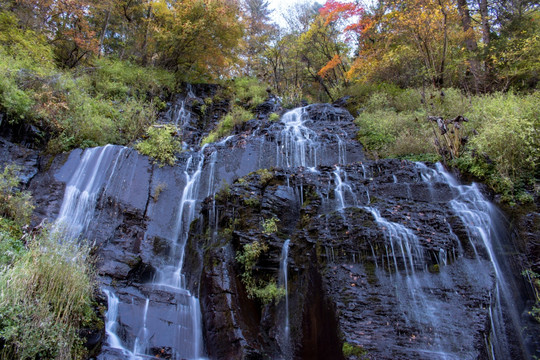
(342, 278)
(26, 159)
(379, 264)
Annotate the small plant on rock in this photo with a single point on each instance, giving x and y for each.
(270, 225)
(265, 291)
(161, 145)
(14, 203)
(274, 117)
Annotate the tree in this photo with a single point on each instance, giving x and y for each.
(412, 37)
(66, 25)
(196, 37)
(258, 34)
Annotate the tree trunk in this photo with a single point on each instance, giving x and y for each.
(470, 43)
(486, 38)
(440, 79)
(144, 49)
(103, 31)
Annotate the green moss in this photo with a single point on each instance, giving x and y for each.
(224, 193)
(354, 350)
(273, 117)
(265, 176)
(252, 202)
(434, 269)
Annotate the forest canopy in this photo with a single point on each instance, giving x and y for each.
(91, 72)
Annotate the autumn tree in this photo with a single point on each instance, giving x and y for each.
(259, 32)
(65, 23)
(196, 37)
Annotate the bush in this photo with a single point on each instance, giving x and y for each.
(387, 133)
(236, 116)
(162, 145)
(112, 102)
(11, 247)
(46, 298)
(507, 127)
(249, 92)
(265, 291)
(14, 203)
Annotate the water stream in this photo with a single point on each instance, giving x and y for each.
(283, 281)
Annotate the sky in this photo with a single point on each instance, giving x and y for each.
(280, 6)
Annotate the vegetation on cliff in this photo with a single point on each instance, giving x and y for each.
(47, 284)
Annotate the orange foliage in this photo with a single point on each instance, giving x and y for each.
(335, 61)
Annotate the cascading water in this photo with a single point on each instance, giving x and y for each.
(404, 267)
(283, 281)
(183, 325)
(298, 144)
(427, 302)
(83, 189)
(485, 230)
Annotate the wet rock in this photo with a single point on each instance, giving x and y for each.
(24, 158)
(270, 105)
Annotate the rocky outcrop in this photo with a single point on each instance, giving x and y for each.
(353, 283)
(380, 265)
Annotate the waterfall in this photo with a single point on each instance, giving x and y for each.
(182, 325)
(403, 269)
(298, 144)
(342, 189)
(83, 188)
(283, 281)
(484, 225)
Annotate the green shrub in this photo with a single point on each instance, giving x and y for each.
(270, 225)
(508, 134)
(46, 298)
(249, 92)
(273, 117)
(265, 291)
(14, 203)
(120, 80)
(10, 244)
(534, 280)
(387, 133)
(503, 147)
(162, 145)
(226, 125)
(270, 292)
(112, 102)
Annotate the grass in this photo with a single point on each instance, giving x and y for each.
(46, 298)
(236, 116)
